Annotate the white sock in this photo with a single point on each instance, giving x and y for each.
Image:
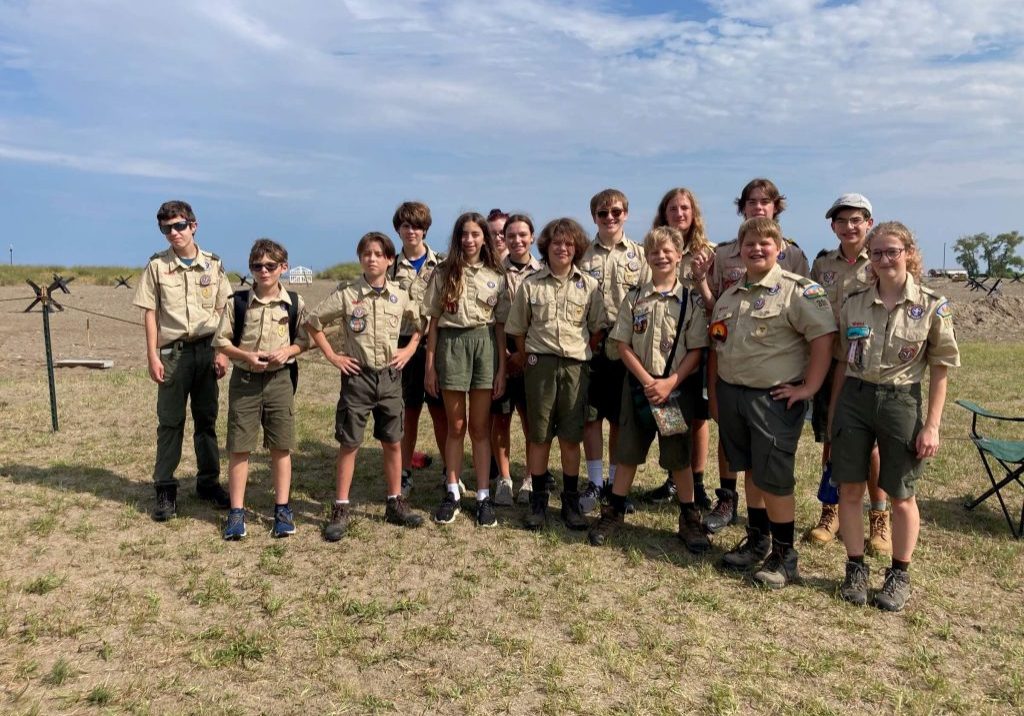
(341, 502)
(595, 471)
(483, 494)
(611, 474)
(394, 497)
(453, 487)
(527, 483)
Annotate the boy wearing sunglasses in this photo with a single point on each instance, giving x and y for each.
(182, 293)
(619, 265)
(262, 336)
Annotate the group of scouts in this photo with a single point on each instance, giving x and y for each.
(654, 337)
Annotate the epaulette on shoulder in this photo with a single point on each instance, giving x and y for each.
(440, 256)
(343, 284)
(931, 292)
(823, 252)
(213, 256)
(790, 242)
(157, 255)
(801, 281)
(862, 289)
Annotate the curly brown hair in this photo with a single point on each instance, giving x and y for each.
(910, 249)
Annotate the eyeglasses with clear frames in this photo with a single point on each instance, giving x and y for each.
(892, 254)
(853, 222)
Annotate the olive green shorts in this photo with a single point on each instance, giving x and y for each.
(556, 398)
(466, 358)
(887, 414)
(637, 431)
(370, 392)
(760, 434)
(256, 399)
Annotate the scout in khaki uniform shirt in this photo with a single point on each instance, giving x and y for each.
(557, 316)
(519, 263)
(889, 333)
(370, 311)
(841, 272)
(661, 330)
(619, 265)
(261, 391)
(772, 338)
(467, 304)
(182, 293)
(412, 269)
(679, 209)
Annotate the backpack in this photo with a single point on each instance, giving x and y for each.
(242, 303)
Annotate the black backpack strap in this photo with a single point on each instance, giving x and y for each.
(241, 304)
(679, 329)
(293, 328)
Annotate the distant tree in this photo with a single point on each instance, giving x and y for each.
(998, 253)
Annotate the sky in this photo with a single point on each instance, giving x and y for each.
(310, 121)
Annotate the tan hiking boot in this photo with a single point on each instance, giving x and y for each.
(827, 527)
(880, 539)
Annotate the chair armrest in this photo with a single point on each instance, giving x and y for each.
(978, 410)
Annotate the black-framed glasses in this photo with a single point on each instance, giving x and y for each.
(269, 267)
(178, 226)
(892, 253)
(616, 213)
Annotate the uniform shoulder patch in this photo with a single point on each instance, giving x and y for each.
(944, 310)
(813, 291)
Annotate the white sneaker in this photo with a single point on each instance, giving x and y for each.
(503, 492)
(525, 490)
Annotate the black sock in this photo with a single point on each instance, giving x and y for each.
(570, 483)
(618, 503)
(684, 506)
(782, 532)
(281, 506)
(757, 517)
(540, 482)
(698, 478)
(901, 565)
(859, 559)
(728, 484)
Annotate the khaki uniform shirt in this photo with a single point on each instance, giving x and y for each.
(187, 299)
(484, 300)
(761, 332)
(648, 322)
(728, 268)
(266, 325)
(515, 275)
(558, 315)
(369, 321)
(617, 270)
(841, 278)
(898, 345)
(415, 284)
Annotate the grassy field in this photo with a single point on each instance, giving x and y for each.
(102, 610)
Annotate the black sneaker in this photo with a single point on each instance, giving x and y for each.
(608, 524)
(571, 514)
(214, 494)
(895, 591)
(406, 482)
(399, 513)
(780, 568)
(665, 492)
(538, 517)
(338, 524)
(447, 510)
(854, 588)
(700, 497)
(691, 531)
(751, 550)
(166, 505)
(485, 516)
(723, 513)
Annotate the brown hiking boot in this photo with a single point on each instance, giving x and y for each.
(828, 526)
(607, 525)
(335, 529)
(750, 551)
(571, 514)
(399, 513)
(691, 531)
(880, 541)
(538, 517)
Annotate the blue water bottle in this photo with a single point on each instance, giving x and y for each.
(828, 494)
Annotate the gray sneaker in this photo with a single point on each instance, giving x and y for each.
(895, 591)
(854, 588)
(590, 498)
(525, 490)
(503, 492)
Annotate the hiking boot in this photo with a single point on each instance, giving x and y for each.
(406, 482)
(234, 529)
(399, 513)
(724, 512)
(664, 492)
(538, 517)
(780, 568)
(895, 591)
(880, 539)
(700, 497)
(503, 492)
(448, 509)
(420, 460)
(166, 505)
(750, 551)
(590, 498)
(854, 588)
(828, 525)
(485, 516)
(338, 524)
(691, 531)
(606, 498)
(214, 494)
(571, 515)
(525, 490)
(607, 525)
(284, 522)
(549, 482)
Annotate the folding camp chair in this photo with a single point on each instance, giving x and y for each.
(1007, 453)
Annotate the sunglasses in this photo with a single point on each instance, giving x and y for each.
(178, 226)
(269, 267)
(616, 213)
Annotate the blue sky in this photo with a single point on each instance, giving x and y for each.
(309, 121)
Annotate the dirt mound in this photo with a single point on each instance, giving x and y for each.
(989, 318)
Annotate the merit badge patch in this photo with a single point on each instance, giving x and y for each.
(944, 310)
(204, 280)
(907, 352)
(759, 303)
(531, 359)
(775, 289)
(358, 312)
(640, 323)
(631, 254)
(718, 331)
(916, 311)
(828, 278)
(814, 291)
(357, 325)
(633, 265)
